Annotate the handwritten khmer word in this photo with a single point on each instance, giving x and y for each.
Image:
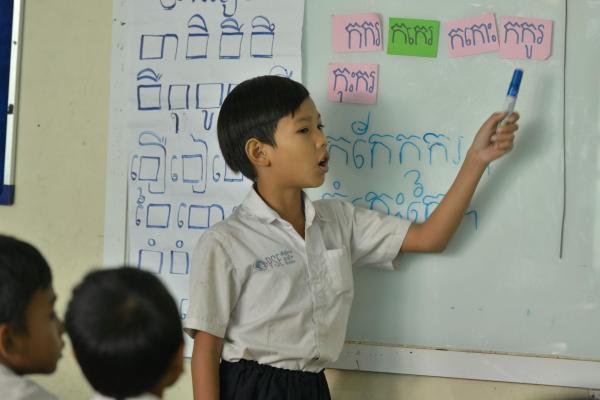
(472, 35)
(356, 32)
(353, 83)
(414, 204)
(525, 38)
(413, 37)
(165, 46)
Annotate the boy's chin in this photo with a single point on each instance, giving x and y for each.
(38, 369)
(48, 368)
(311, 186)
(45, 370)
(315, 184)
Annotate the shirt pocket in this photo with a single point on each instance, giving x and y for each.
(339, 269)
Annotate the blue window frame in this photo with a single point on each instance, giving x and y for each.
(8, 57)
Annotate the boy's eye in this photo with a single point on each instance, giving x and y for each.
(320, 126)
(304, 130)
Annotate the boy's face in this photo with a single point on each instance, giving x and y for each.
(299, 159)
(38, 349)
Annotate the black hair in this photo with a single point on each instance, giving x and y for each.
(23, 271)
(252, 110)
(125, 330)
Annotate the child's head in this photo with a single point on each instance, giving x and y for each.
(259, 118)
(30, 331)
(126, 332)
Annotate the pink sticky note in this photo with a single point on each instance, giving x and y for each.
(353, 83)
(473, 35)
(356, 32)
(525, 38)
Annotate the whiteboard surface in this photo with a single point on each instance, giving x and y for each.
(499, 287)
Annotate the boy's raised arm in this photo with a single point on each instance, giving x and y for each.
(490, 143)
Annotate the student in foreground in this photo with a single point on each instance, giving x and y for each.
(126, 334)
(271, 286)
(30, 331)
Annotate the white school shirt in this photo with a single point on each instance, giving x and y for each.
(276, 298)
(17, 387)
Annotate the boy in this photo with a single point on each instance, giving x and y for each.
(271, 286)
(126, 333)
(30, 331)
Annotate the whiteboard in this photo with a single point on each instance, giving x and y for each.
(500, 286)
(515, 280)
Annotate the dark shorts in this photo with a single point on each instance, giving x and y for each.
(248, 380)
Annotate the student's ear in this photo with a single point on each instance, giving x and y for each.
(7, 341)
(174, 370)
(176, 367)
(257, 153)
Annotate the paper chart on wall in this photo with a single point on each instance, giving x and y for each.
(184, 58)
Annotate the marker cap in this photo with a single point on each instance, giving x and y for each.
(515, 83)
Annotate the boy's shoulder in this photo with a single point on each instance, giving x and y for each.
(15, 387)
(223, 232)
(328, 209)
(222, 228)
(243, 222)
(332, 204)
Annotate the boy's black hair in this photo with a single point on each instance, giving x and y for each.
(23, 271)
(252, 110)
(125, 330)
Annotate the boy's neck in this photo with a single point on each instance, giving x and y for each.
(288, 203)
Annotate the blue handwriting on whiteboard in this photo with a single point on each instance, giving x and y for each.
(414, 204)
(368, 149)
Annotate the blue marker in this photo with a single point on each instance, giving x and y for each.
(511, 96)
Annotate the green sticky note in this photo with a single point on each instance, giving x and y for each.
(413, 37)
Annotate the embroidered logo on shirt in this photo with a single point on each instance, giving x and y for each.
(260, 265)
(277, 260)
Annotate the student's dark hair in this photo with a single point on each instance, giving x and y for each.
(125, 330)
(252, 110)
(23, 271)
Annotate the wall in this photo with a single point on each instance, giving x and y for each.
(61, 151)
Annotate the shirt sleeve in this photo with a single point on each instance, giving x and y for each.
(214, 288)
(375, 238)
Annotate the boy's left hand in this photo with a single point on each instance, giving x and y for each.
(493, 141)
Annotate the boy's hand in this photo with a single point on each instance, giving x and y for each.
(490, 143)
(493, 141)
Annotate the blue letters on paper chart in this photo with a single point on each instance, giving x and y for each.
(184, 58)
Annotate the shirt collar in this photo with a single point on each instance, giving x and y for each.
(256, 206)
(5, 371)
